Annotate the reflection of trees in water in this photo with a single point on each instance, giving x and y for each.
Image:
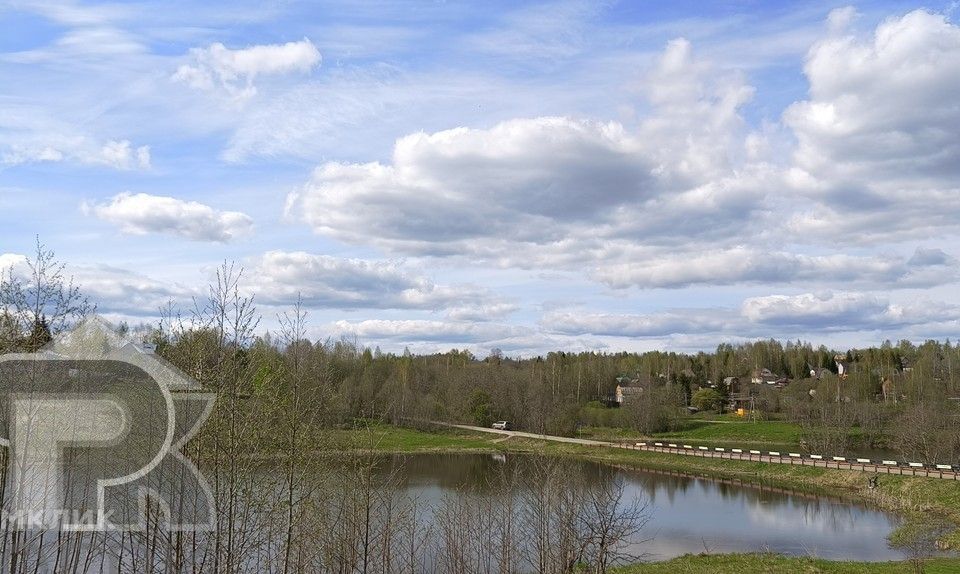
(385, 514)
(532, 514)
(547, 515)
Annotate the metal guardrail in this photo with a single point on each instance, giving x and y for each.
(945, 471)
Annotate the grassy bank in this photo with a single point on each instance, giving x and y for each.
(776, 564)
(735, 429)
(719, 430)
(727, 430)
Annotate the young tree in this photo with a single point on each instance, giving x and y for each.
(38, 299)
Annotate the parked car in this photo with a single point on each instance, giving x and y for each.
(501, 425)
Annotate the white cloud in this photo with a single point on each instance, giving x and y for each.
(114, 290)
(141, 213)
(13, 261)
(789, 316)
(417, 330)
(815, 309)
(844, 311)
(549, 32)
(234, 71)
(927, 267)
(279, 277)
(481, 311)
(521, 181)
(877, 143)
(696, 127)
(523, 193)
(37, 148)
(670, 203)
(651, 325)
(130, 294)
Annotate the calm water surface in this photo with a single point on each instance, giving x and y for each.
(689, 515)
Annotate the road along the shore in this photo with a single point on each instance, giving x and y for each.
(947, 472)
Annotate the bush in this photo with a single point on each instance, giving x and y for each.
(707, 400)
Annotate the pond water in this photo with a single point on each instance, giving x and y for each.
(686, 514)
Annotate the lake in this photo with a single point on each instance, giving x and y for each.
(685, 514)
(493, 513)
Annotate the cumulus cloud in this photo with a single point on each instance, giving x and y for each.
(141, 214)
(432, 336)
(525, 193)
(688, 195)
(522, 181)
(555, 191)
(234, 71)
(877, 148)
(114, 290)
(279, 277)
(844, 311)
(123, 292)
(696, 126)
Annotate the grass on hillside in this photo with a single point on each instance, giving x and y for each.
(713, 429)
(387, 438)
(721, 430)
(739, 430)
(776, 564)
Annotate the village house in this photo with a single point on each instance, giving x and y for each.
(623, 393)
(628, 387)
(820, 373)
(732, 384)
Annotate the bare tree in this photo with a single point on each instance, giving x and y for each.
(38, 301)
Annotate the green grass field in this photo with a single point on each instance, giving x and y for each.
(717, 430)
(731, 429)
(387, 438)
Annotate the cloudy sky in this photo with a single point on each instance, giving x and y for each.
(561, 175)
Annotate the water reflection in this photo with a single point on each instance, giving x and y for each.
(688, 514)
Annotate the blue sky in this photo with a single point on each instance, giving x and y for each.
(561, 175)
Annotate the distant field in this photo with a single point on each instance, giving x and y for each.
(387, 438)
(737, 429)
(714, 429)
(775, 564)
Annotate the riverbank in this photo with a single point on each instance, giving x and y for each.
(917, 499)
